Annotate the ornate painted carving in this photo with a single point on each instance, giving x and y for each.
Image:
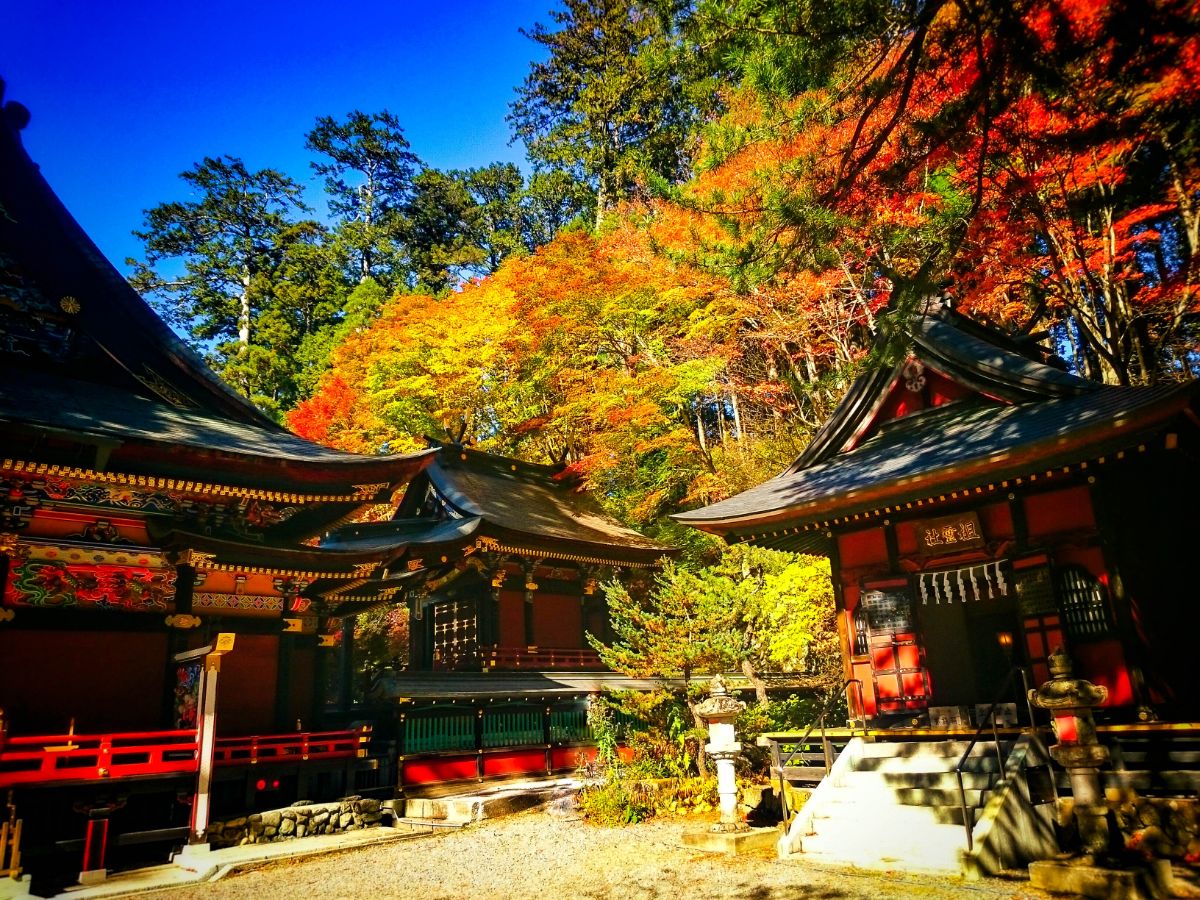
(182, 620)
(20, 496)
(367, 491)
(914, 375)
(30, 324)
(164, 388)
(51, 584)
(247, 602)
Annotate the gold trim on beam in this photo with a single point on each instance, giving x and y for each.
(362, 492)
(494, 546)
(205, 562)
(342, 588)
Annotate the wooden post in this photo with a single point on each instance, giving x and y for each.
(10, 842)
(346, 688)
(207, 738)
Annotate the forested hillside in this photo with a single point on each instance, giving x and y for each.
(729, 202)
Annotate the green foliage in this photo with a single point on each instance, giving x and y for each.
(686, 796)
(605, 106)
(234, 271)
(616, 802)
(659, 732)
(678, 630)
(766, 609)
(604, 732)
(380, 644)
(368, 170)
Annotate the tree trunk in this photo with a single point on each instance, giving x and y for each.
(760, 686)
(701, 739)
(737, 414)
(601, 201)
(244, 316)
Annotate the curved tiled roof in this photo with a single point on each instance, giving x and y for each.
(1025, 413)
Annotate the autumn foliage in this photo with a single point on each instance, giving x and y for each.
(1036, 161)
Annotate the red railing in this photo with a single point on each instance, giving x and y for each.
(46, 758)
(234, 751)
(85, 757)
(541, 658)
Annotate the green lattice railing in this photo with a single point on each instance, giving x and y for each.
(443, 730)
(513, 727)
(569, 725)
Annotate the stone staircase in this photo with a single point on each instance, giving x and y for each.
(895, 805)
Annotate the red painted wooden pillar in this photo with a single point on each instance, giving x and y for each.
(95, 840)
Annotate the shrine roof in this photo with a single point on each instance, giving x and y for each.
(513, 504)
(83, 355)
(397, 535)
(87, 410)
(980, 358)
(1026, 416)
(215, 552)
(525, 499)
(63, 306)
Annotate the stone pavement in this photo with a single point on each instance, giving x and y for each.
(454, 806)
(196, 868)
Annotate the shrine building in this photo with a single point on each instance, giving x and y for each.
(499, 563)
(982, 507)
(157, 528)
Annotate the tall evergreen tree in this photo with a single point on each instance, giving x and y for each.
(368, 170)
(607, 105)
(229, 241)
(436, 232)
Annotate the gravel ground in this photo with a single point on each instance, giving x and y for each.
(537, 855)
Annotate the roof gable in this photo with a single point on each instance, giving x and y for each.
(990, 408)
(65, 309)
(950, 359)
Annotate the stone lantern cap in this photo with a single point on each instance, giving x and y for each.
(719, 704)
(1062, 692)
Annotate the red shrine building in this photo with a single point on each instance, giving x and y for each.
(983, 507)
(499, 563)
(148, 513)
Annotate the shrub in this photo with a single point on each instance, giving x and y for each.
(615, 802)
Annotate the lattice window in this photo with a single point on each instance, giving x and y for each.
(861, 645)
(1083, 602)
(455, 635)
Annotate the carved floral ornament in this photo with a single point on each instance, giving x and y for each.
(913, 374)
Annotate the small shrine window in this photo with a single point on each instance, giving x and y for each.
(888, 611)
(861, 643)
(1083, 602)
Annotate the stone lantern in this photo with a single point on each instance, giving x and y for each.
(731, 834)
(1070, 701)
(1096, 872)
(718, 712)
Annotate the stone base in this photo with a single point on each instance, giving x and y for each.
(732, 842)
(1151, 879)
(93, 876)
(14, 888)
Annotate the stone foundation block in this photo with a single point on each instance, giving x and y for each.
(732, 842)
(1152, 879)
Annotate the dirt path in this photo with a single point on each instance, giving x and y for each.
(535, 855)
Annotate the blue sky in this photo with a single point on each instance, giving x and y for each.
(126, 95)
